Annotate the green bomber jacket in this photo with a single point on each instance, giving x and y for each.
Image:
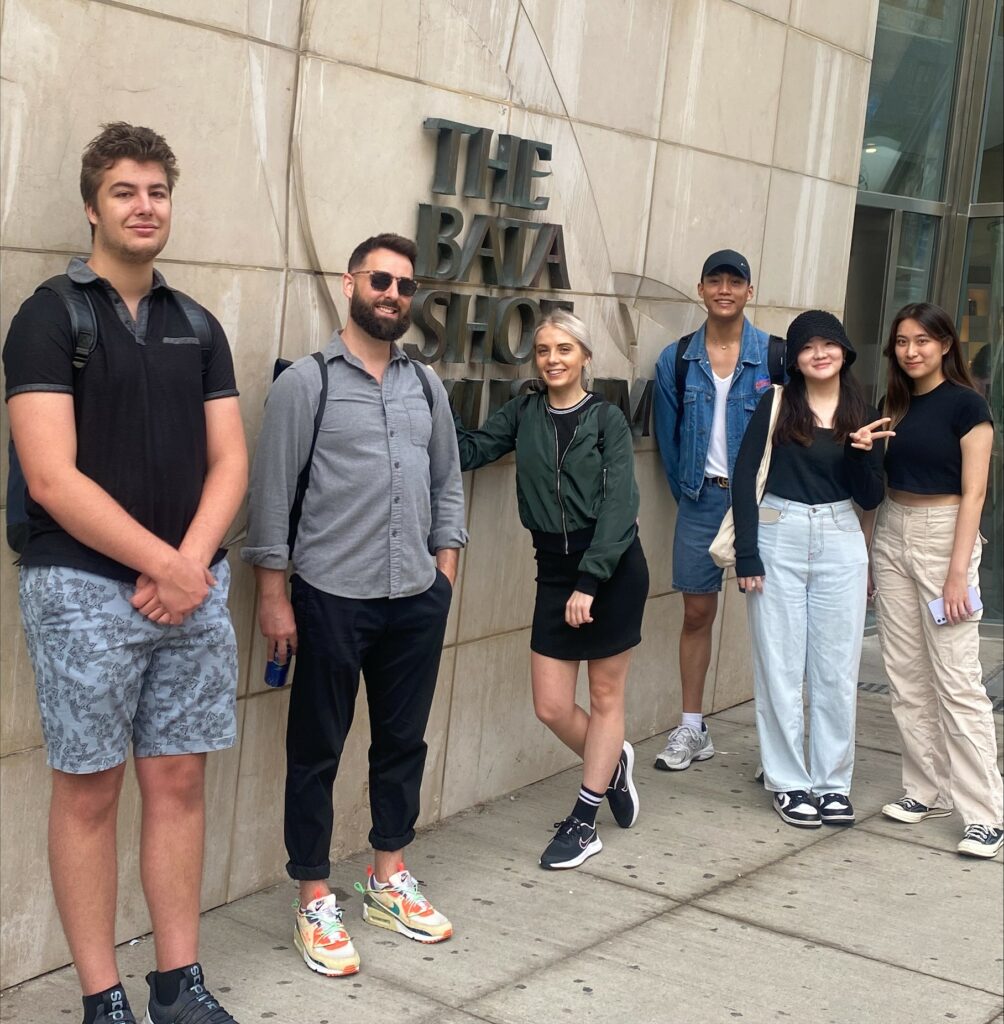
(588, 490)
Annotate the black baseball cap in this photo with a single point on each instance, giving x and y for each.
(730, 260)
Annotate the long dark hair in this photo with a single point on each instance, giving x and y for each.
(938, 325)
(796, 421)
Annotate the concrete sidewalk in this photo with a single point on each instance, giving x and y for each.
(709, 910)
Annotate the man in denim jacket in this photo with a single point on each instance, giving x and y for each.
(727, 371)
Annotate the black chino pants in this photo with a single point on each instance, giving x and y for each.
(397, 645)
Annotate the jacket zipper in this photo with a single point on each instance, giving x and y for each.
(557, 476)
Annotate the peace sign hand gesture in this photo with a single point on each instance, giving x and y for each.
(866, 436)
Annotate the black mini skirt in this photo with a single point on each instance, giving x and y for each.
(617, 608)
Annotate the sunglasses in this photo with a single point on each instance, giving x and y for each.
(381, 281)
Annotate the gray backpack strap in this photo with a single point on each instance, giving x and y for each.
(83, 320)
(199, 323)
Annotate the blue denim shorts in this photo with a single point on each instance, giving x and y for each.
(697, 523)
(105, 674)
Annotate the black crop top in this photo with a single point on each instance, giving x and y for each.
(817, 474)
(925, 456)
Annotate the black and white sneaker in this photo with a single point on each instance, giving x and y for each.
(195, 1003)
(835, 809)
(573, 843)
(912, 811)
(114, 1009)
(981, 841)
(621, 794)
(797, 808)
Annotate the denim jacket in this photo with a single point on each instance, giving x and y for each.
(684, 461)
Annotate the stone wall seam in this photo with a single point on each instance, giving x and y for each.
(201, 26)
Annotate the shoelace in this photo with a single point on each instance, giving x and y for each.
(408, 887)
(328, 918)
(981, 833)
(680, 741)
(799, 796)
(203, 1009)
(909, 804)
(570, 826)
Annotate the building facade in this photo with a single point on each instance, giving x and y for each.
(656, 130)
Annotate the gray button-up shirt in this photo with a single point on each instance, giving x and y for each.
(385, 490)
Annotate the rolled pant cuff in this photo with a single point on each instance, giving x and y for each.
(389, 845)
(301, 873)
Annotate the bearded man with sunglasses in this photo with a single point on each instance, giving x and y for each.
(374, 560)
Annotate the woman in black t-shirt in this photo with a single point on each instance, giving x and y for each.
(802, 559)
(927, 553)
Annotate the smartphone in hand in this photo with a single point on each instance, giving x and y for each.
(937, 606)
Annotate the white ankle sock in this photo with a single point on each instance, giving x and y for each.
(692, 720)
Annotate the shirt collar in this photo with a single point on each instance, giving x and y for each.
(80, 273)
(336, 347)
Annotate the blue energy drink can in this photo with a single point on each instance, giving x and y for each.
(275, 674)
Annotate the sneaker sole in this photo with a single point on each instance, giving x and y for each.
(629, 750)
(663, 766)
(979, 850)
(316, 966)
(380, 918)
(837, 819)
(797, 822)
(913, 817)
(593, 848)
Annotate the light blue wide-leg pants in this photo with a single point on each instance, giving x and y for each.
(808, 625)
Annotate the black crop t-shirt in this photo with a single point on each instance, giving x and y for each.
(925, 456)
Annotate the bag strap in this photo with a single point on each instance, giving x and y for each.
(199, 323)
(83, 320)
(681, 381)
(775, 359)
(303, 479)
(768, 448)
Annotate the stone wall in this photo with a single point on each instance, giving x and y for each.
(678, 127)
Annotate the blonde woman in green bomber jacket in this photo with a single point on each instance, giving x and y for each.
(576, 493)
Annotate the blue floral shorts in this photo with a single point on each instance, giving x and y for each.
(105, 674)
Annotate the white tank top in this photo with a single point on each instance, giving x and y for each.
(717, 462)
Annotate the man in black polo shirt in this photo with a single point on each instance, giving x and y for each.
(136, 465)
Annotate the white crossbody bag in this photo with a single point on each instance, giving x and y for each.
(723, 547)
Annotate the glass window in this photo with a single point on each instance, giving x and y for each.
(918, 234)
(910, 97)
(990, 176)
(980, 328)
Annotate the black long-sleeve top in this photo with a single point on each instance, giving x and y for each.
(816, 474)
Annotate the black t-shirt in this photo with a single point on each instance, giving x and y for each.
(817, 474)
(138, 405)
(925, 456)
(566, 422)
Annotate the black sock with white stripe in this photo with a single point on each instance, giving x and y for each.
(586, 806)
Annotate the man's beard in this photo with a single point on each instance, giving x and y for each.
(375, 326)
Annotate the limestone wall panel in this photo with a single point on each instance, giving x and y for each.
(232, 151)
(702, 105)
(822, 109)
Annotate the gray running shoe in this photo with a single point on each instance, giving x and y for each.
(684, 745)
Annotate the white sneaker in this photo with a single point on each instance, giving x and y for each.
(684, 745)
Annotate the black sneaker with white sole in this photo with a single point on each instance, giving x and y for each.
(195, 1003)
(835, 809)
(574, 842)
(797, 808)
(981, 841)
(912, 812)
(621, 793)
(114, 1008)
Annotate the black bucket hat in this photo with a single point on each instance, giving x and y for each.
(815, 323)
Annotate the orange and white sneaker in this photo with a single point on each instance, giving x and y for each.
(399, 906)
(321, 938)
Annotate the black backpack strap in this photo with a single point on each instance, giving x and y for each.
(775, 359)
(199, 323)
(601, 426)
(83, 320)
(423, 380)
(303, 480)
(681, 379)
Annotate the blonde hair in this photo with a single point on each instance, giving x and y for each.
(570, 324)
